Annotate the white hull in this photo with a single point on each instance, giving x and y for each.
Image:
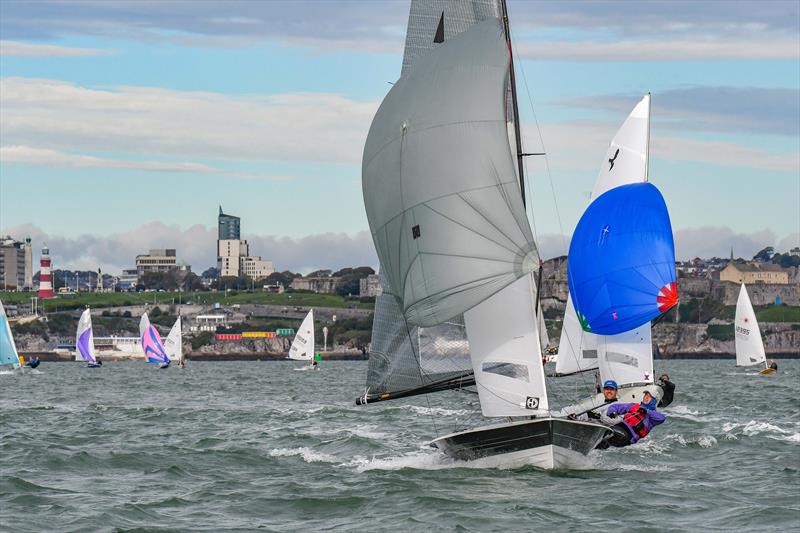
(549, 457)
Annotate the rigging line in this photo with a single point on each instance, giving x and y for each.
(544, 150)
(419, 369)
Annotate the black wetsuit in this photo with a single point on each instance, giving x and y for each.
(774, 366)
(669, 391)
(619, 438)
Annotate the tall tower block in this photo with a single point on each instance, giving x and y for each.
(45, 278)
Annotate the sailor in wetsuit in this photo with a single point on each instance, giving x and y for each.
(669, 390)
(638, 419)
(773, 365)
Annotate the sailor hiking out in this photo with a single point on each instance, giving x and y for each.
(638, 419)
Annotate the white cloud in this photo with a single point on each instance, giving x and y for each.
(662, 50)
(22, 49)
(59, 115)
(42, 156)
(579, 145)
(196, 246)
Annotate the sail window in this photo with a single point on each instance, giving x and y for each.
(590, 354)
(509, 370)
(621, 358)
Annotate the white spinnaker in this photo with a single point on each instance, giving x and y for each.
(439, 181)
(506, 355)
(577, 349)
(84, 342)
(626, 358)
(173, 344)
(626, 162)
(303, 344)
(749, 345)
(8, 350)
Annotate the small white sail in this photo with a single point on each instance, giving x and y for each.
(84, 339)
(544, 338)
(626, 358)
(506, 356)
(749, 345)
(626, 159)
(303, 344)
(577, 349)
(173, 344)
(8, 350)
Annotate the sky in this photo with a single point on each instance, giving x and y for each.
(125, 124)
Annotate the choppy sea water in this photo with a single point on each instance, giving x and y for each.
(258, 446)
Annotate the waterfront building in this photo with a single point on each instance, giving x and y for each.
(370, 286)
(16, 264)
(754, 272)
(158, 260)
(45, 277)
(233, 253)
(227, 226)
(128, 279)
(322, 285)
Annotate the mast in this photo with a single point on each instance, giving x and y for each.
(647, 146)
(514, 107)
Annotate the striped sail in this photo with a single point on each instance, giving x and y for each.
(8, 350)
(152, 347)
(84, 339)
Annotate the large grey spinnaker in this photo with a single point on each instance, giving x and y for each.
(439, 181)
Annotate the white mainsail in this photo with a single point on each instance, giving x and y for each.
(631, 354)
(749, 345)
(173, 344)
(302, 348)
(8, 350)
(446, 244)
(504, 345)
(84, 339)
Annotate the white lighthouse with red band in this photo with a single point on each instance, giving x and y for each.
(45, 278)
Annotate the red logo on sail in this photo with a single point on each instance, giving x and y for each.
(667, 297)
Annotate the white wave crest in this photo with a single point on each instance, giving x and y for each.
(308, 455)
(707, 441)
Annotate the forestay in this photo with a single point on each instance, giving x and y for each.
(152, 347)
(302, 348)
(504, 346)
(749, 345)
(84, 339)
(173, 344)
(8, 350)
(439, 181)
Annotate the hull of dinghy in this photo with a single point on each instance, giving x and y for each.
(548, 443)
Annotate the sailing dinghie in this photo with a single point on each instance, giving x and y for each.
(173, 344)
(749, 344)
(302, 348)
(84, 341)
(152, 347)
(8, 350)
(446, 212)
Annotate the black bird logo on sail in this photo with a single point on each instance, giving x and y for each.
(611, 161)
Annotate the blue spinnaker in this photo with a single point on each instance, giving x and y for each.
(622, 260)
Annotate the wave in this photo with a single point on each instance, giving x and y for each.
(308, 455)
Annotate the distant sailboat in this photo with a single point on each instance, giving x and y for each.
(173, 344)
(152, 347)
(84, 341)
(749, 344)
(8, 350)
(302, 348)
